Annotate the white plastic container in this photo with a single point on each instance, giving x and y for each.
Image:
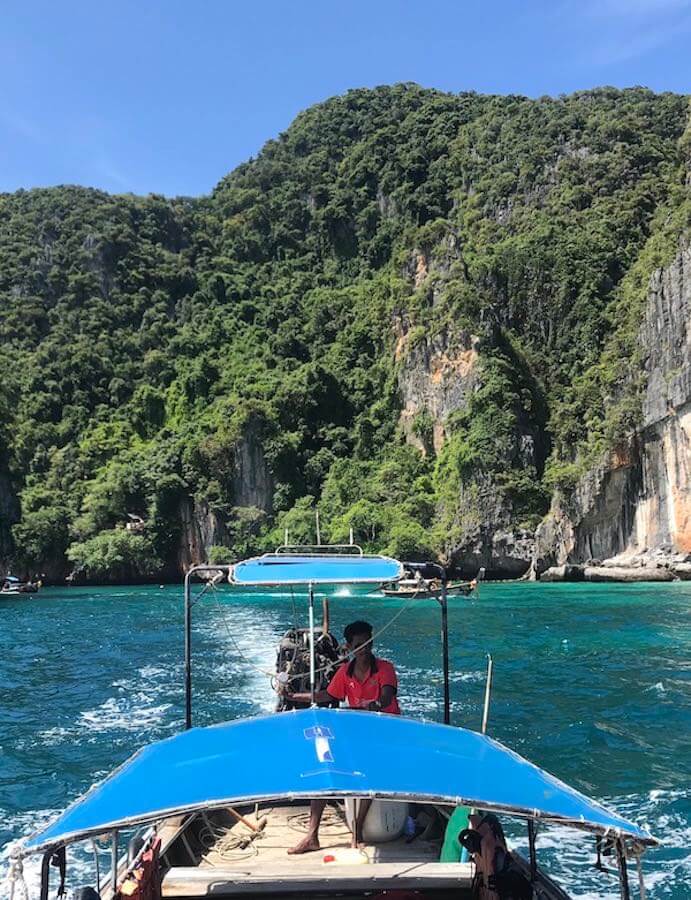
(385, 820)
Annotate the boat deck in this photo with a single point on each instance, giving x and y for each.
(226, 867)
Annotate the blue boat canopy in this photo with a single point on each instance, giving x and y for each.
(275, 569)
(326, 753)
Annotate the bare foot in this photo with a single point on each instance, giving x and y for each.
(306, 845)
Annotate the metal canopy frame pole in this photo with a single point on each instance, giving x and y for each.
(312, 654)
(488, 693)
(188, 652)
(445, 650)
(532, 851)
(45, 874)
(623, 871)
(114, 863)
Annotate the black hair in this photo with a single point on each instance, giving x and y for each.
(358, 627)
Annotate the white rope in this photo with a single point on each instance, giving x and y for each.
(15, 877)
(228, 843)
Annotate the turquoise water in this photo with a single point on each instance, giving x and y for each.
(591, 682)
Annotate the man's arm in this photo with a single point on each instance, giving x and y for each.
(388, 692)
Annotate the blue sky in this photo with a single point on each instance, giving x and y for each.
(167, 96)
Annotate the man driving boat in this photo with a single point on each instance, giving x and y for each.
(366, 682)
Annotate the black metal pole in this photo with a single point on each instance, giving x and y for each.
(445, 652)
(533, 853)
(45, 874)
(313, 683)
(114, 863)
(188, 652)
(623, 871)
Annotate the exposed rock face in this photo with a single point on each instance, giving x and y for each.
(635, 502)
(503, 552)
(638, 499)
(607, 573)
(663, 515)
(436, 376)
(252, 482)
(201, 527)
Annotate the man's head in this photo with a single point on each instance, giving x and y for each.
(358, 636)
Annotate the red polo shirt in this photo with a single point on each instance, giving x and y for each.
(359, 694)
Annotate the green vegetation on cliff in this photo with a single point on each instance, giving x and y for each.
(221, 366)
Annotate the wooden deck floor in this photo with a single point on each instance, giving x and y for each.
(286, 826)
(264, 863)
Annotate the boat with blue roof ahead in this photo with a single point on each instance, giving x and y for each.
(212, 811)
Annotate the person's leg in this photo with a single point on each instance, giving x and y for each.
(363, 806)
(311, 839)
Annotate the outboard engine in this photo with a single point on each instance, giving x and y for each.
(293, 658)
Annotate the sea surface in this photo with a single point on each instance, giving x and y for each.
(591, 682)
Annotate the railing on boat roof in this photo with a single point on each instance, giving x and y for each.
(317, 550)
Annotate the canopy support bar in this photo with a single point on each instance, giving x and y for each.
(188, 652)
(114, 863)
(488, 693)
(623, 871)
(313, 685)
(45, 874)
(533, 853)
(445, 650)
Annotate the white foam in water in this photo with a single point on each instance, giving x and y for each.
(252, 639)
(80, 861)
(129, 713)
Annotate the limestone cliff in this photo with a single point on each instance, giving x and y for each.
(637, 500)
(436, 374)
(202, 527)
(437, 377)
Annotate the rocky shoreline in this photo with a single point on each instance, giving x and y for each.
(628, 569)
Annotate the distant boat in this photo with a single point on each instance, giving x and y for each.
(13, 586)
(428, 580)
(413, 587)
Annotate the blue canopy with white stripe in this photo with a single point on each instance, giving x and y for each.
(326, 753)
(275, 569)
